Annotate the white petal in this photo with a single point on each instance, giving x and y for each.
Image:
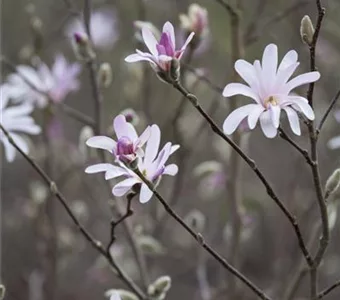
(236, 117)
(19, 110)
(267, 126)
(269, 61)
(283, 76)
(121, 188)
(124, 128)
(302, 105)
(152, 145)
(289, 59)
(115, 296)
(149, 40)
(293, 119)
(98, 168)
(240, 89)
(143, 138)
(9, 150)
(101, 142)
(168, 28)
(247, 72)
(21, 143)
(334, 143)
(134, 58)
(145, 194)
(254, 116)
(301, 80)
(174, 148)
(171, 170)
(275, 112)
(187, 42)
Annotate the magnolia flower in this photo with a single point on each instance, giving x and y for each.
(162, 52)
(15, 119)
(115, 296)
(152, 166)
(270, 89)
(196, 20)
(334, 143)
(128, 146)
(103, 28)
(138, 25)
(36, 86)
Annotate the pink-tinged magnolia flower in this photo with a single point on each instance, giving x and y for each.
(128, 146)
(152, 166)
(15, 120)
(270, 89)
(55, 83)
(162, 52)
(334, 143)
(103, 28)
(196, 20)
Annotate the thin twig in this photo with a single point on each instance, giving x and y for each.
(327, 112)
(328, 290)
(231, 10)
(200, 239)
(61, 198)
(194, 101)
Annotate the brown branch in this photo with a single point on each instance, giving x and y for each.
(250, 162)
(328, 290)
(88, 236)
(200, 240)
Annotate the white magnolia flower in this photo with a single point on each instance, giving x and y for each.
(269, 87)
(36, 86)
(334, 143)
(103, 28)
(128, 146)
(152, 166)
(15, 120)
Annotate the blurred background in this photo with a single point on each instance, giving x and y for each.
(43, 254)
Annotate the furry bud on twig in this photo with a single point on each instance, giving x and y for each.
(175, 69)
(333, 183)
(83, 47)
(123, 294)
(105, 75)
(2, 291)
(307, 30)
(160, 287)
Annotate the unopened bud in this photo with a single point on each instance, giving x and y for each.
(2, 291)
(333, 183)
(83, 47)
(196, 220)
(149, 244)
(123, 294)
(175, 69)
(36, 25)
(160, 287)
(105, 75)
(130, 116)
(307, 30)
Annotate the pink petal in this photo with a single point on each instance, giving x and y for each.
(121, 188)
(171, 170)
(301, 80)
(101, 142)
(240, 89)
(293, 119)
(168, 28)
(236, 117)
(145, 194)
(123, 128)
(152, 145)
(149, 40)
(254, 116)
(267, 125)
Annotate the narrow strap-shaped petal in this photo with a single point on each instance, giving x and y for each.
(9, 150)
(152, 145)
(269, 62)
(171, 170)
(121, 188)
(240, 89)
(149, 40)
(143, 137)
(174, 148)
(247, 73)
(20, 141)
(289, 59)
(101, 142)
(124, 128)
(301, 80)
(283, 76)
(302, 105)
(187, 42)
(236, 117)
(254, 115)
(275, 112)
(169, 29)
(145, 194)
(98, 168)
(293, 120)
(267, 125)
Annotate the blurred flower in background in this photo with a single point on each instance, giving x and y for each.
(103, 28)
(334, 143)
(37, 86)
(15, 119)
(270, 89)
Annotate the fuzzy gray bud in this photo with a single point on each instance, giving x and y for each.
(333, 183)
(160, 287)
(2, 291)
(307, 30)
(105, 75)
(175, 69)
(83, 47)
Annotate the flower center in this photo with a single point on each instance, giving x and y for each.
(124, 146)
(271, 101)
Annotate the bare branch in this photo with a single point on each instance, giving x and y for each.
(328, 290)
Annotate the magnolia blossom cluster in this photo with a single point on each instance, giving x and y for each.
(128, 154)
(162, 52)
(38, 86)
(17, 121)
